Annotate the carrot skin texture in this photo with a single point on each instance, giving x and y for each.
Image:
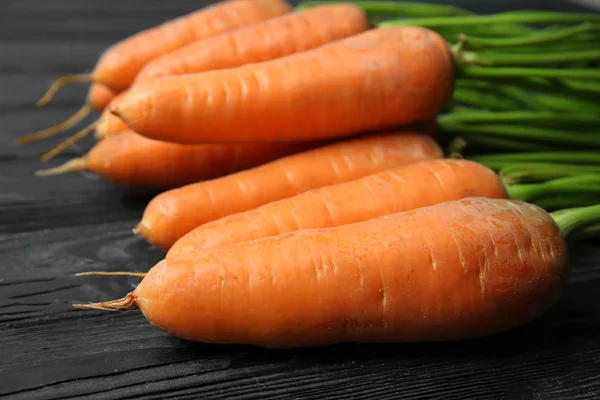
(455, 270)
(99, 96)
(398, 189)
(129, 159)
(266, 40)
(172, 214)
(371, 81)
(118, 65)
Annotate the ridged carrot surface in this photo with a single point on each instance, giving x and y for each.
(174, 213)
(455, 270)
(398, 189)
(119, 65)
(374, 80)
(129, 159)
(266, 40)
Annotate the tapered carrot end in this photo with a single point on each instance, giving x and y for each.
(140, 229)
(60, 82)
(69, 142)
(58, 128)
(113, 305)
(116, 273)
(76, 164)
(100, 132)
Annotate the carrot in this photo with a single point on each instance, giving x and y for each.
(129, 159)
(119, 64)
(109, 123)
(371, 81)
(266, 40)
(398, 189)
(269, 39)
(455, 270)
(174, 213)
(98, 98)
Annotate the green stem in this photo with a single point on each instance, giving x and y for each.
(576, 218)
(497, 59)
(413, 9)
(512, 116)
(518, 72)
(482, 99)
(541, 172)
(505, 144)
(585, 86)
(518, 17)
(497, 161)
(545, 36)
(559, 202)
(582, 185)
(559, 102)
(559, 136)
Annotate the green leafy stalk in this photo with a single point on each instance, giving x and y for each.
(481, 99)
(519, 72)
(543, 135)
(513, 17)
(575, 185)
(560, 202)
(411, 9)
(541, 172)
(519, 116)
(494, 143)
(498, 59)
(583, 85)
(549, 35)
(571, 220)
(499, 161)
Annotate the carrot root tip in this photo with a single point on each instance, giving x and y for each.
(76, 164)
(60, 82)
(139, 229)
(113, 305)
(69, 142)
(79, 115)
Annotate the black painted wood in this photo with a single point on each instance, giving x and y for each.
(52, 228)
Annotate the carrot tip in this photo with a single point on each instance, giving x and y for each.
(116, 273)
(76, 164)
(113, 305)
(139, 229)
(60, 82)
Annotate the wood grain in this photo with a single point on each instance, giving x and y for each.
(52, 228)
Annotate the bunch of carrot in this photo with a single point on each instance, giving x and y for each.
(320, 190)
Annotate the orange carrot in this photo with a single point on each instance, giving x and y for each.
(108, 123)
(174, 213)
(375, 80)
(119, 64)
(454, 270)
(129, 159)
(98, 98)
(266, 40)
(398, 189)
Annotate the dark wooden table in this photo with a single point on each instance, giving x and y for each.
(52, 228)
